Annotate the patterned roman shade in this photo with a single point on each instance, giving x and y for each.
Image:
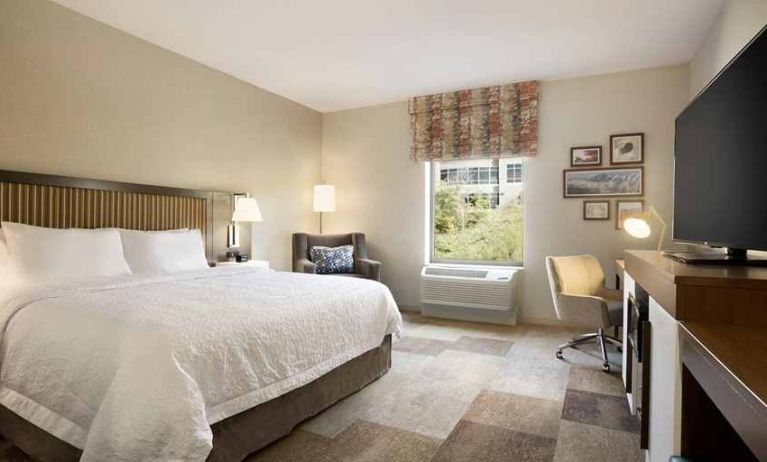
(499, 121)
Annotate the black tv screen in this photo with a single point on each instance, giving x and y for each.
(720, 158)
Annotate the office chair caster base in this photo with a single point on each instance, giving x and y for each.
(606, 367)
(559, 355)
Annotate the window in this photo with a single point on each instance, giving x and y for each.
(514, 173)
(476, 216)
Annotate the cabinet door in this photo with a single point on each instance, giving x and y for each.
(665, 385)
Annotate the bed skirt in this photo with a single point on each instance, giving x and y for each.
(238, 436)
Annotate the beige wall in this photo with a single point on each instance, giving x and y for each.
(585, 111)
(81, 98)
(381, 192)
(737, 23)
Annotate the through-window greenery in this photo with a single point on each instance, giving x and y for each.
(477, 211)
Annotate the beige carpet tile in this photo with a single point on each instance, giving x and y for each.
(421, 410)
(541, 378)
(339, 417)
(516, 412)
(487, 346)
(598, 409)
(581, 442)
(475, 442)
(299, 446)
(370, 442)
(420, 346)
(596, 381)
(362, 441)
(408, 363)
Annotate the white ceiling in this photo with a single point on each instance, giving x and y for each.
(339, 54)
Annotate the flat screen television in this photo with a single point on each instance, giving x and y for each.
(720, 161)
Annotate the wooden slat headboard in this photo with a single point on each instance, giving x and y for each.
(68, 202)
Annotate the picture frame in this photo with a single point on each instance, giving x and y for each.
(586, 156)
(596, 210)
(627, 149)
(625, 209)
(603, 182)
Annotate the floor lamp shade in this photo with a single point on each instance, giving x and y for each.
(324, 198)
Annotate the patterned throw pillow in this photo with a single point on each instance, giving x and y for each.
(333, 260)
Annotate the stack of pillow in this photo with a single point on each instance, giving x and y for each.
(36, 255)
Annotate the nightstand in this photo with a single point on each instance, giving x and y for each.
(250, 264)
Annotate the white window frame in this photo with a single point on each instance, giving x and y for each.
(429, 177)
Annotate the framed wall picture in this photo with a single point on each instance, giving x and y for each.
(586, 156)
(596, 210)
(603, 182)
(627, 209)
(627, 149)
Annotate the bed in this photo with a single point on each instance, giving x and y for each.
(208, 364)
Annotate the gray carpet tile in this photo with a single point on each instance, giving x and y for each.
(598, 409)
(487, 346)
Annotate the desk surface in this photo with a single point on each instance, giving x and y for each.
(686, 274)
(742, 350)
(730, 366)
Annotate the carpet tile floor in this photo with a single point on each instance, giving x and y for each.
(461, 391)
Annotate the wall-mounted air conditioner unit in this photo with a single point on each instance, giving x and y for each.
(473, 294)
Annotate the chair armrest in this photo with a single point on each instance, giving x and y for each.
(584, 309)
(612, 294)
(306, 266)
(371, 269)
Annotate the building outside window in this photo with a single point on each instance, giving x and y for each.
(477, 211)
(514, 173)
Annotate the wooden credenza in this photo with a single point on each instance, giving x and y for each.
(704, 374)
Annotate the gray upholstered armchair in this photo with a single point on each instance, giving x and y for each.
(363, 266)
(580, 297)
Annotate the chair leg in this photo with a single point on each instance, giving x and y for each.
(575, 342)
(603, 346)
(602, 341)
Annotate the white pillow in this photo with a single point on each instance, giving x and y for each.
(51, 255)
(7, 275)
(152, 252)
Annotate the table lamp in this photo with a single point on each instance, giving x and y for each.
(639, 225)
(245, 211)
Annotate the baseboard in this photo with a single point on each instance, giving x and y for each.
(547, 321)
(540, 320)
(409, 309)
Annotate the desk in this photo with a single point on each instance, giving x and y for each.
(724, 388)
(707, 386)
(620, 268)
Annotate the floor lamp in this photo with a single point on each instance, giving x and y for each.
(324, 200)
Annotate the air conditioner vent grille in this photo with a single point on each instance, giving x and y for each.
(457, 272)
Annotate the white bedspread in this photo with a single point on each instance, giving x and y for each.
(139, 368)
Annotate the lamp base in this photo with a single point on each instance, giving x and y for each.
(733, 257)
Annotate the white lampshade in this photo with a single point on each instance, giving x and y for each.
(324, 198)
(637, 227)
(246, 209)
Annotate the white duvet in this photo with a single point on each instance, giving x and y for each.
(140, 368)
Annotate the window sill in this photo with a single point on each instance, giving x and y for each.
(478, 265)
